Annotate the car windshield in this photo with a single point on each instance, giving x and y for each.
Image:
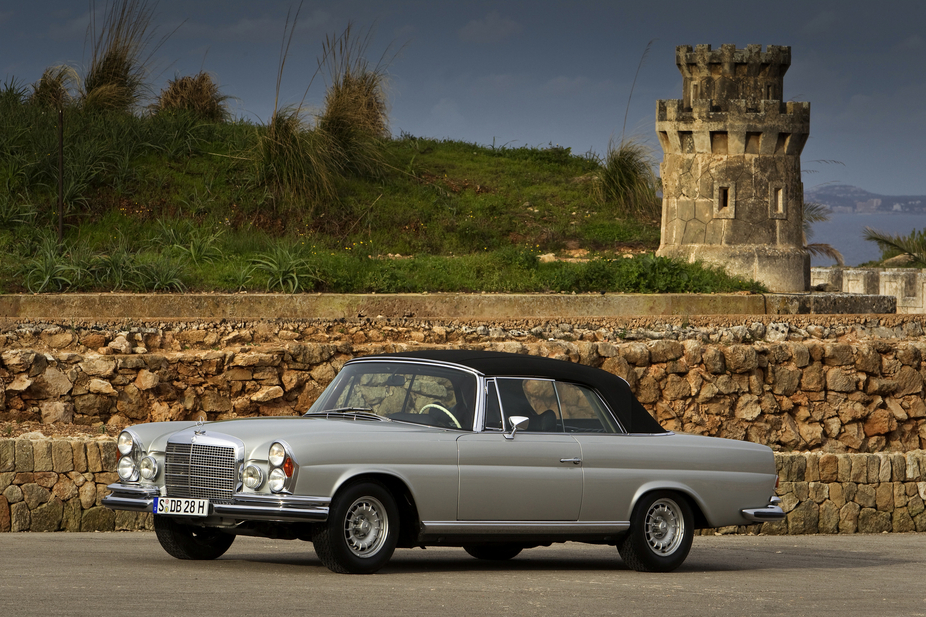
(403, 391)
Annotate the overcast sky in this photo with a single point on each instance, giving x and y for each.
(533, 72)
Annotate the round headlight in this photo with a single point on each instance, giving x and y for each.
(252, 477)
(127, 470)
(125, 442)
(277, 454)
(277, 480)
(148, 468)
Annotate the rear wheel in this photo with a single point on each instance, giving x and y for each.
(661, 530)
(361, 532)
(493, 552)
(190, 542)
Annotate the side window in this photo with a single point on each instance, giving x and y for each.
(583, 411)
(534, 399)
(493, 419)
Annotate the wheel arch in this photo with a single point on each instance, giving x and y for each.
(409, 521)
(691, 497)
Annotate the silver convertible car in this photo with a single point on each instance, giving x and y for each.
(489, 451)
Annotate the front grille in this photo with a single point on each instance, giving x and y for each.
(200, 471)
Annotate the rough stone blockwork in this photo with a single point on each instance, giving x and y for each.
(832, 391)
(57, 485)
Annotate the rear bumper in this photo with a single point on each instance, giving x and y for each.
(250, 507)
(770, 513)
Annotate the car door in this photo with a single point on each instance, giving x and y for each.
(536, 476)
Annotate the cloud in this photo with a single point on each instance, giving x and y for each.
(492, 29)
(5, 16)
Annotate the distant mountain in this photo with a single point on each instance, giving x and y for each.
(846, 198)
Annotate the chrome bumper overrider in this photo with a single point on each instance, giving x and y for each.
(251, 507)
(771, 512)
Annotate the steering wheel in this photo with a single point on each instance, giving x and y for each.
(453, 419)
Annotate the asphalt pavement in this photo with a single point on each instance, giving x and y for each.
(104, 574)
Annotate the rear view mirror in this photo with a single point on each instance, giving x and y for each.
(517, 423)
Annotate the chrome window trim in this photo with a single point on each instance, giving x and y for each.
(480, 380)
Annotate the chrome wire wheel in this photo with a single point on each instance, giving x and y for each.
(366, 527)
(664, 527)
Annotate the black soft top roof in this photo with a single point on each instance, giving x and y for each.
(612, 388)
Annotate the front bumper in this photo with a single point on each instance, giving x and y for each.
(243, 507)
(770, 513)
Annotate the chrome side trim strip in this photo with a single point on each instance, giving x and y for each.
(522, 527)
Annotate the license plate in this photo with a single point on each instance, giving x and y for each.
(180, 506)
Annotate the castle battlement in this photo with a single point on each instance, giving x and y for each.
(729, 74)
(703, 55)
(707, 110)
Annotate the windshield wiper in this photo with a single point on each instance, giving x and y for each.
(345, 409)
(365, 413)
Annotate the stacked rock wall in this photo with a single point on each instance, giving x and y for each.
(839, 398)
(57, 485)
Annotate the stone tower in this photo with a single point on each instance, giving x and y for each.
(731, 171)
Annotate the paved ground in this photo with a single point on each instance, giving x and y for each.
(129, 574)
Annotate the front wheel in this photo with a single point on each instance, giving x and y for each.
(661, 530)
(190, 542)
(361, 532)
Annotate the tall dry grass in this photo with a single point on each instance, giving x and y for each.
(56, 89)
(626, 181)
(197, 94)
(355, 114)
(120, 55)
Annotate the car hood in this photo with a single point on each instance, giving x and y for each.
(253, 431)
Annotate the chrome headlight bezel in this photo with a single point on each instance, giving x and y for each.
(276, 482)
(126, 443)
(252, 477)
(283, 468)
(148, 468)
(127, 470)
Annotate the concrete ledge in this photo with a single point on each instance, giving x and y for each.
(422, 306)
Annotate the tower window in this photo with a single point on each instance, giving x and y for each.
(725, 201)
(777, 201)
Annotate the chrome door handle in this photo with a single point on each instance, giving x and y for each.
(574, 461)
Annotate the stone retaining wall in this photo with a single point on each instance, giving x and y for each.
(832, 385)
(57, 485)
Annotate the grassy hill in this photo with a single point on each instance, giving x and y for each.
(170, 203)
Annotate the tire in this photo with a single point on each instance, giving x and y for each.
(661, 530)
(493, 552)
(361, 532)
(190, 542)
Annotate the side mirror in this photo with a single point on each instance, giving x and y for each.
(517, 423)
